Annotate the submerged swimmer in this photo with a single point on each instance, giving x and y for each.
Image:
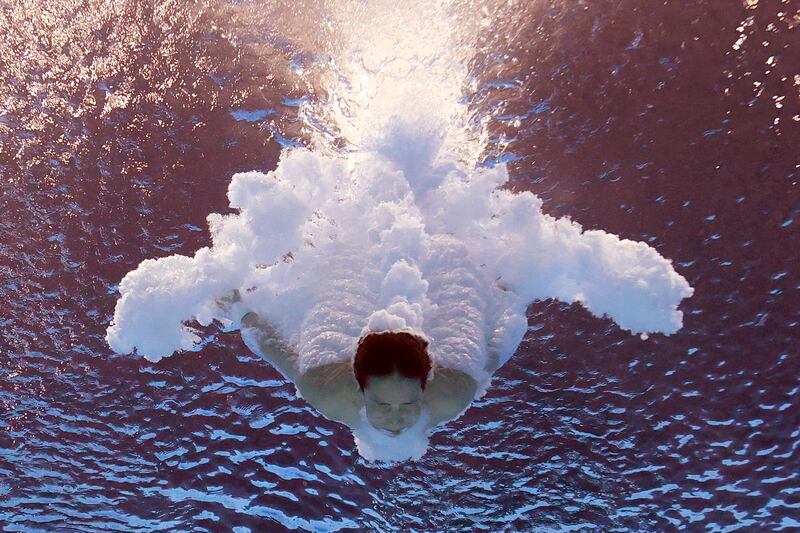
(387, 382)
(389, 363)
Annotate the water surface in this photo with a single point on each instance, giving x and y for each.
(675, 124)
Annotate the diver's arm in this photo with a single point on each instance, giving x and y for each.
(333, 391)
(269, 345)
(448, 394)
(330, 389)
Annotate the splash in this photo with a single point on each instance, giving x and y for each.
(398, 230)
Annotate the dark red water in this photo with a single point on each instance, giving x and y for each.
(676, 123)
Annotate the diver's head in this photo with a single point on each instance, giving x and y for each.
(392, 369)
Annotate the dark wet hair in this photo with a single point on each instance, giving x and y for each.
(380, 354)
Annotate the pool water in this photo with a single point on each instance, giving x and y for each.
(673, 124)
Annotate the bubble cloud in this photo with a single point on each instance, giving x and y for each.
(401, 230)
(329, 248)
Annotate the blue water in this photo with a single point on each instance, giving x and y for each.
(119, 131)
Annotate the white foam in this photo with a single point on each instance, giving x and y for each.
(369, 258)
(367, 252)
(375, 445)
(399, 232)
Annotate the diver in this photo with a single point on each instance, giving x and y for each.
(390, 383)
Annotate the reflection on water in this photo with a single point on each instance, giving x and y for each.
(120, 126)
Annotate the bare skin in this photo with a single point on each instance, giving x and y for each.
(393, 402)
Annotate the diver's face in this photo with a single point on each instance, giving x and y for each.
(393, 402)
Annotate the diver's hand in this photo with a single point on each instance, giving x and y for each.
(231, 305)
(226, 302)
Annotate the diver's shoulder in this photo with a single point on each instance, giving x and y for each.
(333, 391)
(449, 393)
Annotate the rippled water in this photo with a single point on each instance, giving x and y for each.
(677, 124)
